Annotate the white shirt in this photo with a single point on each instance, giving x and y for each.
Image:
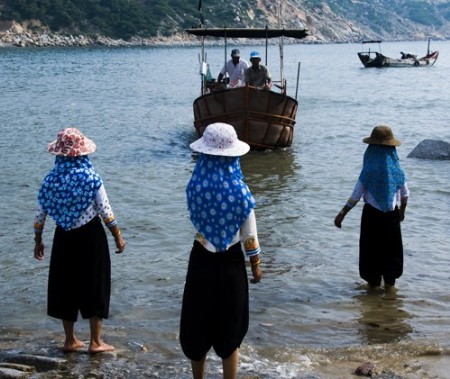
(235, 72)
(247, 235)
(99, 206)
(359, 191)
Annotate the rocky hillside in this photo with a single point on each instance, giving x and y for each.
(165, 20)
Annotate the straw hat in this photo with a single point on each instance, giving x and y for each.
(70, 142)
(220, 139)
(382, 135)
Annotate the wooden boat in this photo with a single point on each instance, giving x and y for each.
(262, 118)
(371, 58)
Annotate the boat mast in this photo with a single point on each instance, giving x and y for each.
(280, 25)
(203, 64)
(225, 50)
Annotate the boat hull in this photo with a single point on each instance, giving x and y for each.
(371, 59)
(263, 119)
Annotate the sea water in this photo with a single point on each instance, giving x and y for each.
(309, 309)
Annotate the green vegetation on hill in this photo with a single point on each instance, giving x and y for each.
(113, 18)
(149, 18)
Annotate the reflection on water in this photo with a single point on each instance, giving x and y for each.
(381, 320)
(269, 171)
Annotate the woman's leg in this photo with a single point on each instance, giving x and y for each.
(97, 345)
(198, 368)
(230, 365)
(71, 343)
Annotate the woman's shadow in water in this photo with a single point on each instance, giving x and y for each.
(381, 320)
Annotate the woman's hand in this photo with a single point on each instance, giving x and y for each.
(401, 214)
(339, 218)
(120, 244)
(39, 251)
(255, 262)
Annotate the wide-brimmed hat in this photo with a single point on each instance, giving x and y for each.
(220, 139)
(235, 53)
(70, 142)
(382, 135)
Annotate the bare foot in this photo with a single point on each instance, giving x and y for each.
(390, 292)
(103, 347)
(70, 347)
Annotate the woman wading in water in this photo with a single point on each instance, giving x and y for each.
(215, 311)
(74, 196)
(382, 184)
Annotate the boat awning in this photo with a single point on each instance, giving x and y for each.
(248, 33)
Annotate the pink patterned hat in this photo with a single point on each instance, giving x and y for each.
(71, 143)
(220, 139)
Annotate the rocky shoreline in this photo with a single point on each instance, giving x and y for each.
(39, 356)
(13, 34)
(27, 39)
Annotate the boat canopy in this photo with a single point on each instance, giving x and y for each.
(372, 41)
(248, 33)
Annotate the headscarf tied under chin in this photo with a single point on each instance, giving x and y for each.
(218, 199)
(69, 189)
(382, 174)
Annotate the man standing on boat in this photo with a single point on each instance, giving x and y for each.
(258, 75)
(235, 68)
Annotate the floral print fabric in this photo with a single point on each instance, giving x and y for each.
(218, 199)
(382, 174)
(69, 189)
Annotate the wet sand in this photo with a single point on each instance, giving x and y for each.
(406, 360)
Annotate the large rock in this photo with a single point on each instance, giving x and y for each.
(431, 149)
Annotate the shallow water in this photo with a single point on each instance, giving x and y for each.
(136, 104)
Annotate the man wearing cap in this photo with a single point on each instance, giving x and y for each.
(235, 68)
(258, 75)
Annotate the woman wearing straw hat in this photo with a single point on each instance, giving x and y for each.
(73, 195)
(382, 184)
(215, 310)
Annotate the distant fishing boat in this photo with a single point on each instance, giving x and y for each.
(370, 58)
(262, 118)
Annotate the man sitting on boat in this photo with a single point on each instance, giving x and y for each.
(235, 68)
(258, 75)
(408, 55)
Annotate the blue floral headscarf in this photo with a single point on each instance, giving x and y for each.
(382, 174)
(69, 189)
(218, 199)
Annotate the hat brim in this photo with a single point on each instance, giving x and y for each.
(391, 142)
(88, 148)
(238, 149)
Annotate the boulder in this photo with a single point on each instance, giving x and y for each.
(431, 149)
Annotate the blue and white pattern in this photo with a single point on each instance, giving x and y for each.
(69, 189)
(382, 174)
(218, 199)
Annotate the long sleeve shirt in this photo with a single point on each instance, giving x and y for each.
(247, 235)
(99, 206)
(359, 191)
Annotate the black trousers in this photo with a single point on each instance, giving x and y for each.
(380, 246)
(215, 310)
(80, 273)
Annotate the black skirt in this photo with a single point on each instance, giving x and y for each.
(215, 311)
(80, 273)
(380, 246)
